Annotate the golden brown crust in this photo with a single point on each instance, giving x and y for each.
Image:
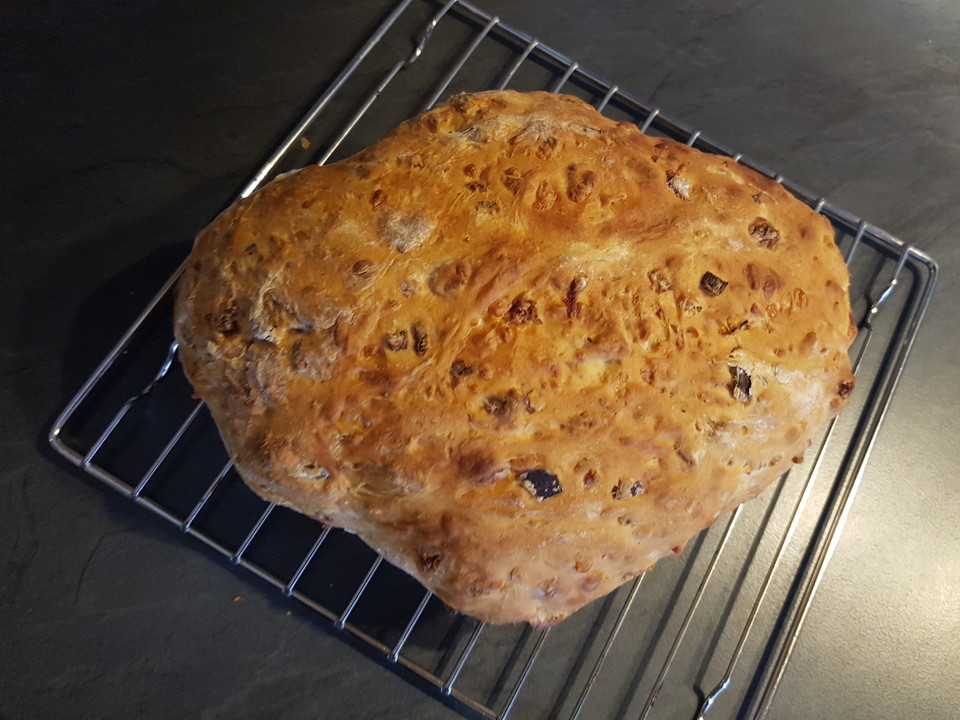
(535, 349)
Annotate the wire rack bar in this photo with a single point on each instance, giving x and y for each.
(461, 61)
(891, 285)
(524, 674)
(261, 573)
(157, 508)
(607, 97)
(388, 77)
(710, 699)
(607, 645)
(520, 59)
(252, 534)
(462, 660)
(801, 502)
(311, 115)
(317, 607)
(307, 559)
(694, 604)
(151, 471)
(414, 619)
(207, 494)
(125, 408)
(209, 541)
(838, 510)
(56, 430)
(651, 116)
(342, 620)
(87, 459)
(362, 110)
(855, 243)
(562, 80)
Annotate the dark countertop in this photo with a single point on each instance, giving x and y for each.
(126, 126)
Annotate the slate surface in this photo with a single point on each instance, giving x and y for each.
(125, 126)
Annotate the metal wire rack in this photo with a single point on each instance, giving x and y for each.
(706, 634)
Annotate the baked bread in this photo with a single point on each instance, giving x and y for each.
(522, 350)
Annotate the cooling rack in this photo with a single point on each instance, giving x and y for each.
(708, 634)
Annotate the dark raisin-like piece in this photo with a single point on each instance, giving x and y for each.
(541, 484)
(740, 387)
(396, 341)
(420, 343)
(590, 478)
(577, 285)
(522, 311)
(431, 562)
(845, 388)
(712, 285)
(376, 200)
(764, 233)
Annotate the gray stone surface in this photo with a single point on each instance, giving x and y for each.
(125, 126)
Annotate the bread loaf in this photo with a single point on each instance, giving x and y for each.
(522, 350)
